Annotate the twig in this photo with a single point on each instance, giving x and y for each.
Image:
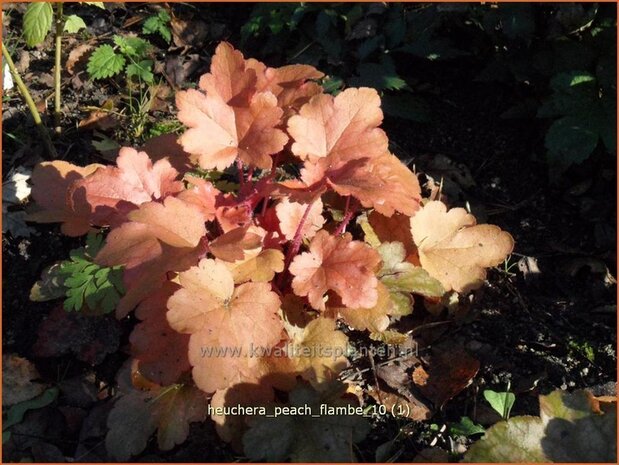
(57, 68)
(47, 141)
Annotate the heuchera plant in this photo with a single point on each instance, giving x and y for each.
(222, 275)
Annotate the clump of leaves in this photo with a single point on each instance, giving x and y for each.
(89, 283)
(243, 293)
(128, 53)
(158, 24)
(576, 427)
(84, 284)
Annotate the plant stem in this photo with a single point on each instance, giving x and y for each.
(57, 67)
(47, 141)
(298, 236)
(349, 213)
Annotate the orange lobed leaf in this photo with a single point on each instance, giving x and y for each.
(161, 352)
(158, 238)
(394, 228)
(319, 351)
(258, 266)
(290, 215)
(339, 264)
(288, 83)
(203, 195)
(219, 133)
(143, 276)
(383, 183)
(455, 250)
(51, 181)
(153, 224)
(375, 319)
(142, 409)
(228, 78)
(233, 245)
(220, 316)
(339, 129)
(111, 192)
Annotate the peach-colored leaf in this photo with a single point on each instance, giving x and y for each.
(383, 183)
(112, 192)
(228, 78)
(339, 264)
(454, 249)
(394, 228)
(258, 266)
(373, 319)
(319, 351)
(161, 352)
(143, 275)
(219, 133)
(201, 194)
(339, 129)
(290, 215)
(51, 181)
(222, 320)
(289, 83)
(174, 222)
(232, 246)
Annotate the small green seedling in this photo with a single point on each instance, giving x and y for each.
(501, 402)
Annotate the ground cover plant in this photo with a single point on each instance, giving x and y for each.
(232, 255)
(266, 267)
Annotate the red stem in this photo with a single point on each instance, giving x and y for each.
(250, 173)
(349, 213)
(271, 177)
(298, 236)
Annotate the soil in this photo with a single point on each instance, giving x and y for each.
(545, 321)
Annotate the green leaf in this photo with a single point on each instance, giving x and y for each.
(158, 24)
(133, 47)
(501, 402)
(37, 22)
(16, 413)
(97, 4)
(74, 24)
(466, 427)
(105, 62)
(94, 243)
(382, 76)
(415, 280)
(85, 282)
(570, 140)
(572, 427)
(141, 70)
(332, 84)
(516, 440)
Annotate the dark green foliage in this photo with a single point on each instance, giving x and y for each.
(159, 24)
(532, 50)
(86, 283)
(129, 54)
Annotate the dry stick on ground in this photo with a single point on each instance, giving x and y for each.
(47, 141)
(57, 67)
